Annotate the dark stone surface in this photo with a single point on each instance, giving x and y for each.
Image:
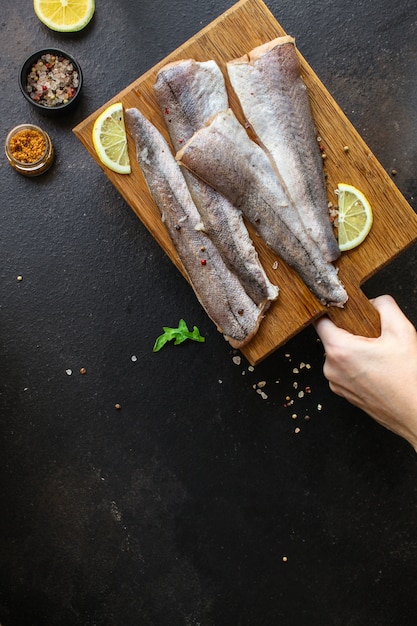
(177, 509)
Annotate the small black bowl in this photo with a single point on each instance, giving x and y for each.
(25, 70)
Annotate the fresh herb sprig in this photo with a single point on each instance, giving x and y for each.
(179, 334)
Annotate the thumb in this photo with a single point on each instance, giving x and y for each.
(328, 331)
(392, 317)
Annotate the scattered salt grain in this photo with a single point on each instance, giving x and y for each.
(133, 358)
(288, 402)
(69, 372)
(237, 360)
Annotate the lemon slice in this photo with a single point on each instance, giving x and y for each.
(64, 16)
(354, 217)
(109, 139)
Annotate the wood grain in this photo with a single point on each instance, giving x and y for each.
(246, 25)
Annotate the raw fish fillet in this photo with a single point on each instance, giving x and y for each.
(189, 93)
(275, 102)
(225, 157)
(217, 288)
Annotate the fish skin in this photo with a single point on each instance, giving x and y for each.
(226, 158)
(275, 102)
(218, 290)
(189, 94)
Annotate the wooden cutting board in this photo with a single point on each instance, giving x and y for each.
(246, 25)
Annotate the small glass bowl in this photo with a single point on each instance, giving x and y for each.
(25, 70)
(36, 167)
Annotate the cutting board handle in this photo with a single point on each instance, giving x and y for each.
(359, 316)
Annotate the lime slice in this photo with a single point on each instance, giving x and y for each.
(354, 217)
(109, 139)
(65, 16)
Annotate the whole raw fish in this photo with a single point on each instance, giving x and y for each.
(225, 157)
(217, 288)
(275, 102)
(189, 93)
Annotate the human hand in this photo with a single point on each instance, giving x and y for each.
(377, 375)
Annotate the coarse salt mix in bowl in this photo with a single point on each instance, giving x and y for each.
(51, 80)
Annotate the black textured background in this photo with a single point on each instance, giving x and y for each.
(177, 509)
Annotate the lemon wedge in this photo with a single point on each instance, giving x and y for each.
(354, 216)
(109, 139)
(64, 16)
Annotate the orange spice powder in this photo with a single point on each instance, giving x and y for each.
(27, 146)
